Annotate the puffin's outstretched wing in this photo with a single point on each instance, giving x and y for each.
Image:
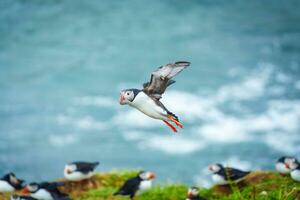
(161, 78)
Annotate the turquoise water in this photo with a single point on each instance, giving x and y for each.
(63, 64)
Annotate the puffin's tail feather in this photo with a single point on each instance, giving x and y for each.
(120, 192)
(173, 115)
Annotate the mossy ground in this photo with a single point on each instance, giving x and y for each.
(260, 185)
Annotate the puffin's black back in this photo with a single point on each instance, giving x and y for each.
(23, 197)
(7, 179)
(130, 187)
(232, 174)
(281, 159)
(85, 167)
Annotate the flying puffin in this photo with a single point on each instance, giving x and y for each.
(225, 175)
(77, 171)
(9, 183)
(282, 164)
(147, 100)
(294, 165)
(193, 194)
(45, 191)
(16, 197)
(141, 182)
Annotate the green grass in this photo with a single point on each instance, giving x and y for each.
(261, 185)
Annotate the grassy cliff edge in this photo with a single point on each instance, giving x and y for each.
(259, 185)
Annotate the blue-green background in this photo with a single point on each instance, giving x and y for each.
(63, 62)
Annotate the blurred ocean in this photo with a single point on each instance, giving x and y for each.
(63, 63)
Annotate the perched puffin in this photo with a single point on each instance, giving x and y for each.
(9, 183)
(294, 165)
(282, 164)
(193, 194)
(147, 100)
(77, 171)
(45, 191)
(224, 175)
(16, 197)
(141, 182)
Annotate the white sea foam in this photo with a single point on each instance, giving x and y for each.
(166, 143)
(98, 101)
(282, 142)
(62, 140)
(174, 145)
(251, 87)
(227, 130)
(297, 85)
(236, 162)
(134, 118)
(86, 122)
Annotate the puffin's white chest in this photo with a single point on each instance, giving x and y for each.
(144, 185)
(77, 176)
(146, 105)
(6, 187)
(281, 168)
(42, 194)
(218, 179)
(295, 174)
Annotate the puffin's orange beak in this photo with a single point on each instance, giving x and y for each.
(287, 165)
(68, 171)
(190, 195)
(25, 191)
(121, 99)
(152, 176)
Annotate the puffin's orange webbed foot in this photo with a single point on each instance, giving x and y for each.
(171, 126)
(175, 121)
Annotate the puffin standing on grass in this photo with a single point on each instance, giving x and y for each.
(224, 175)
(9, 183)
(147, 100)
(282, 164)
(294, 165)
(141, 182)
(193, 194)
(45, 191)
(77, 171)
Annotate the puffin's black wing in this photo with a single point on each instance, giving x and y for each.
(85, 167)
(161, 78)
(51, 186)
(16, 197)
(60, 196)
(129, 187)
(234, 174)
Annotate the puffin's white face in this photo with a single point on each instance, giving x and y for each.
(13, 179)
(192, 192)
(69, 169)
(126, 96)
(147, 175)
(291, 163)
(214, 168)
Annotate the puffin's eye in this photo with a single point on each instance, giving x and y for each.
(127, 93)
